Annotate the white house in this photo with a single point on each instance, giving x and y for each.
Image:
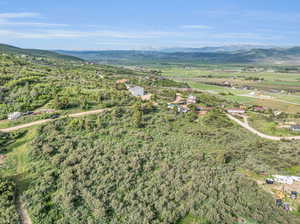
(14, 116)
(191, 99)
(236, 111)
(136, 90)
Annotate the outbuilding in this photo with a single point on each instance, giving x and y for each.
(191, 99)
(236, 111)
(136, 90)
(14, 116)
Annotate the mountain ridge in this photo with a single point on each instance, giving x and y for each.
(9, 49)
(256, 55)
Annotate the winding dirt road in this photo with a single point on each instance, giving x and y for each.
(48, 120)
(244, 124)
(254, 131)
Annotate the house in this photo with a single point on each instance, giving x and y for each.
(191, 99)
(121, 81)
(259, 109)
(179, 99)
(171, 105)
(277, 113)
(295, 127)
(180, 108)
(183, 109)
(14, 116)
(201, 108)
(136, 90)
(201, 113)
(236, 111)
(227, 84)
(146, 97)
(252, 94)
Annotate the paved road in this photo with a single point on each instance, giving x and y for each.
(254, 131)
(48, 120)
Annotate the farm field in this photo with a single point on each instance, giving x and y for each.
(270, 89)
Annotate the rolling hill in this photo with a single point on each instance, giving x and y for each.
(8, 49)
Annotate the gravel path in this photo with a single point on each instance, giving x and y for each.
(24, 217)
(47, 120)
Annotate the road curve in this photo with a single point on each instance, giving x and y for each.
(254, 131)
(48, 120)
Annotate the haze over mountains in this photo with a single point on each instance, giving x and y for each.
(231, 54)
(210, 55)
(211, 49)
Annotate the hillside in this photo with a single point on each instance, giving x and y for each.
(137, 162)
(194, 56)
(7, 49)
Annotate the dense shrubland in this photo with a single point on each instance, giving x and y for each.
(28, 86)
(107, 169)
(8, 138)
(8, 212)
(137, 163)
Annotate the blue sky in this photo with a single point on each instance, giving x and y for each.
(141, 24)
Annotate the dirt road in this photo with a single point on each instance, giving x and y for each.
(24, 217)
(48, 120)
(254, 131)
(244, 124)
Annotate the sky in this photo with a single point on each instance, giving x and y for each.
(148, 24)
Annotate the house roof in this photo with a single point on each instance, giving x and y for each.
(122, 81)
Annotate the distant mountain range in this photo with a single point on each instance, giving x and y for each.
(208, 55)
(217, 55)
(228, 48)
(8, 49)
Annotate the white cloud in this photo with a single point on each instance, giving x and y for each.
(62, 34)
(204, 27)
(19, 15)
(12, 19)
(33, 24)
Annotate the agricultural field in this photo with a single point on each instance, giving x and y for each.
(272, 89)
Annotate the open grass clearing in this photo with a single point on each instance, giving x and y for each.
(268, 126)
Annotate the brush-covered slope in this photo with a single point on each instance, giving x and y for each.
(8, 49)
